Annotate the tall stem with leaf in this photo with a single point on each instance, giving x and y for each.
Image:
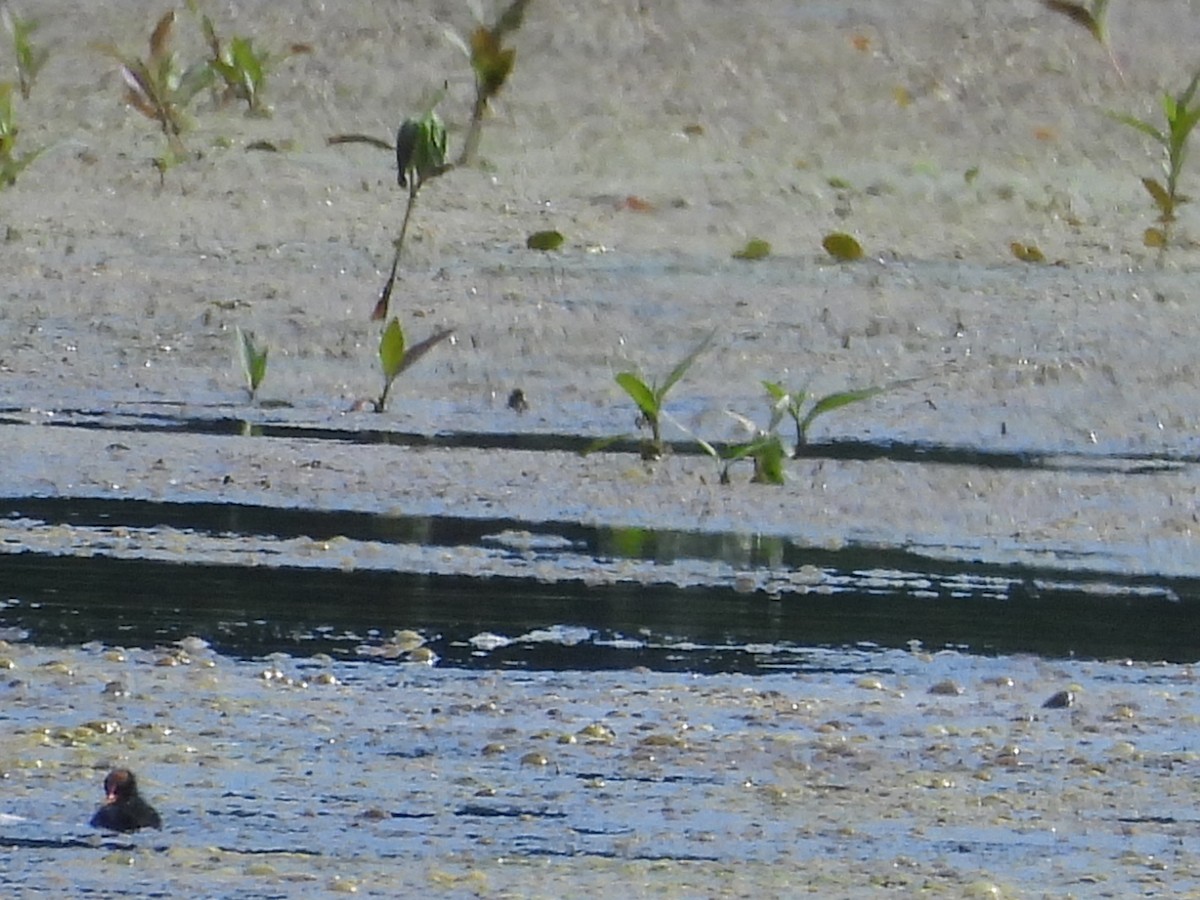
(420, 157)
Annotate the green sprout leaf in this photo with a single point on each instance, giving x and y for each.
(792, 404)
(640, 393)
(391, 350)
(756, 248)
(837, 400)
(650, 400)
(769, 454)
(395, 356)
(420, 149)
(254, 360)
(544, 240)
(842, 247)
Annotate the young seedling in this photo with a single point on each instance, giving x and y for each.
(254, 361)
(651, 397)
(492, 63)
(767, 450)
(1181, 119)
(160, 90)
(395, 357)
(30, 59)
(793, 405)
(1092, 16)
(241, 68)
(11, 162)
(420, 157)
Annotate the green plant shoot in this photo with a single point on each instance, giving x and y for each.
(1181, 118)
(11, 162)
(420, 157)
(395, 356)
(30, 59)
(767, 451)
(795, 405)
(651, 397)
(241, 68)
(156, 86)
(254, 361)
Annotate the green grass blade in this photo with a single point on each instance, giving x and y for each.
(830, 402)
(1144, 127)
(637, 390)
(684, 364)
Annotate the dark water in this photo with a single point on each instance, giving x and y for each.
(884, 599)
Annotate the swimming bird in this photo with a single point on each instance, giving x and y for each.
(124, 809)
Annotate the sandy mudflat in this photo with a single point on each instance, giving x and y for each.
(784, 122)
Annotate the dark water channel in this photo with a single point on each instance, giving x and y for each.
(882, 598)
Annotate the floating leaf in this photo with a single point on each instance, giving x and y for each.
(756, 248)
(842, 247)
(544, 240)
(1027, 252)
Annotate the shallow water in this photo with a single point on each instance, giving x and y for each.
(289, 774)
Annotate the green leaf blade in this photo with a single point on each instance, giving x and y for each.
(391, 350)
(684, 364)
(638, 391)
